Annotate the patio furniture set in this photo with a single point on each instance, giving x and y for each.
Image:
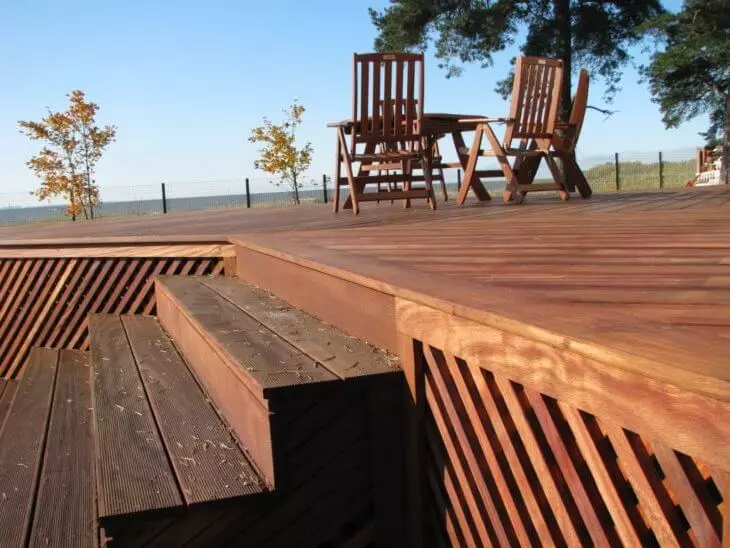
(389, 135)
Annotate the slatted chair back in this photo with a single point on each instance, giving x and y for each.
(580, 104)
(387, 101)
(535, 98)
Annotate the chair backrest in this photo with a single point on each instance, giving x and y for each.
(580, 104)
(387, 98)
(535, 98)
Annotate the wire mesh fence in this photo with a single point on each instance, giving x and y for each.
(626, 171)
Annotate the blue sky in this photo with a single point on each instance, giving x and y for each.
(185, 82)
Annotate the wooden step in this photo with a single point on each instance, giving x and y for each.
(65, 507)
(22, 443)
(267, 366)
(161, 447)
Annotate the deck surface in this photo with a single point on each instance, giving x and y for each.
(639, 281)
(643, 275)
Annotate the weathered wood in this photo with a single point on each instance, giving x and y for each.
(23, 443)
(132, 467)
(373, 320)
(207, 461)
(341, 354)
(65, 508)
(6, 399)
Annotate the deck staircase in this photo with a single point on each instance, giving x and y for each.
(230, 419)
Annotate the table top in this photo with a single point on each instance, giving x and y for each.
(429, 119)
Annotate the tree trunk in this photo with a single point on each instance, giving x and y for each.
(725, 173)
(565, 52)
(72, 199)
(295, 187)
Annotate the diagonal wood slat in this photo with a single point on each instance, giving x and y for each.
(581, 478)
(46, 301)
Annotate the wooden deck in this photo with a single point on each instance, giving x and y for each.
(568, 365)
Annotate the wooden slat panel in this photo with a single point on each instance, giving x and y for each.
(604, 481)
(65, 509)
(206, 459)
(133, 472)
(23, 441)
(46, 301)
(703, 516)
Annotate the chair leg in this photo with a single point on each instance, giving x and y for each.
(348, 171)
(471, 164)
(511, 191)
(408, 172)
(336, 178)
(557, 177)
(579, 178)
(428, 178)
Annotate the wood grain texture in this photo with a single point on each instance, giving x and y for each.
(208, 463)
(22, 445)
(689, 423)
(605, 485)
(65, 507)
(342, 355)
(46, 301)
(133, 472)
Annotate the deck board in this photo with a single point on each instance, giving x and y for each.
(10, 387)
(344, 356)
(23, 441)
(133, 472)
(207, 461)
(269, 360)
(65, 509)
(642, 286)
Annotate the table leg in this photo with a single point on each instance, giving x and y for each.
(476, 183)
(369, 149)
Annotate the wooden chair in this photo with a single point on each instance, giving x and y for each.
(564, 145)
(531, 123)
(387, 107)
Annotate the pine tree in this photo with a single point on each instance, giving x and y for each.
(596, 35)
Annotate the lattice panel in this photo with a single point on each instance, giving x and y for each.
(46, 302)
(508, 466)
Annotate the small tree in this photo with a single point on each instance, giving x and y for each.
(279, 154)
(73, 144)
(691, 75)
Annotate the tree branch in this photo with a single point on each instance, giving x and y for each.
(607, 112)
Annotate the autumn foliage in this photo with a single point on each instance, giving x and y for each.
(279, 154)
(72, 146)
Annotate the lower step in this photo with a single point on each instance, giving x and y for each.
(278, 375)
(46, 454)
(161, 448)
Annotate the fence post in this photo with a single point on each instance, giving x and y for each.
(164, 198)
(661, 170)
(324, 187)
(248, 195)
(458, 180)
(618, 176)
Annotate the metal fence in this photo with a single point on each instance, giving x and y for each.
(624, 171)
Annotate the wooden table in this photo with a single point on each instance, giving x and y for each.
(436, 126)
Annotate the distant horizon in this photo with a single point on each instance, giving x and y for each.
(180, 83)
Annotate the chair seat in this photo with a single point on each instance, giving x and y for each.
(387, 156)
